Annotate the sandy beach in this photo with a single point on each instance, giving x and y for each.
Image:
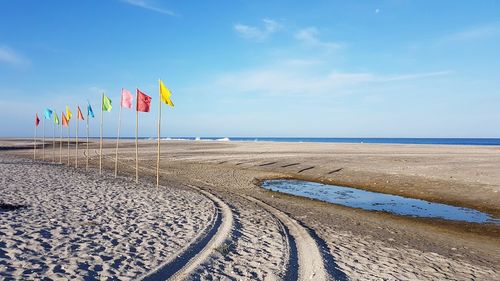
(80, 226)
(211, 221)
(249, 140)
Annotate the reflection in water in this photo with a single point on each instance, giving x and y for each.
(374, 201)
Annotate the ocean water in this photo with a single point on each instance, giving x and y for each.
(374, 201)
(442, 141)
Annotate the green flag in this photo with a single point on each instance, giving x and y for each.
(56, 119)
(106, 103)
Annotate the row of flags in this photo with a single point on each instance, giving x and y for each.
(142, 104)
(65, 118)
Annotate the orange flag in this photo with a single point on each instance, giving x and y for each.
(80, 115)
(64, 120)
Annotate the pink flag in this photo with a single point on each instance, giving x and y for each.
(126, 98)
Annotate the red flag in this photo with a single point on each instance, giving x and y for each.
(143, 101)
(64, 120)
(37, 120)
(80, 115)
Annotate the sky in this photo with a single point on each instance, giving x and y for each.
(394, 68)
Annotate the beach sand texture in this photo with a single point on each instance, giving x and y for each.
(274, 236)
(86, 226)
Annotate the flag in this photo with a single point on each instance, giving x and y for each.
(106, 103)
(64, 120)
(143, 102)
(68, 113)
(37, 120)
(126, 98)
(56, 119)
(90, 112)
(80, 115)
(48, 113)
(165, 94)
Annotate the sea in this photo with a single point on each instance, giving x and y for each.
(441, 141)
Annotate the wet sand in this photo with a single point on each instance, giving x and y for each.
(266, 240)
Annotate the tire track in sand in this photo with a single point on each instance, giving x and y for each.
(191, 259)
(310, 261)
(260, 250)
(188, 259)
(308, 256)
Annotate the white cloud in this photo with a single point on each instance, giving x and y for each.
(290, 79)
(472, 34)
(9, 56)
(271, 25)
(377, 11)
(309, 36)
(251, 32)
(414, 76)
(146, 4)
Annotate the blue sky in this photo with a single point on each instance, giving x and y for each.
(395, 68)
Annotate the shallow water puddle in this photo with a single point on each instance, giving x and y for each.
(374, 201)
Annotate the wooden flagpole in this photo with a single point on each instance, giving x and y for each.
(43, 138)
(118, 136)
(60, 143)
(87, 149)
(34, 145)
(136, 136)
(159, 126)
(54, 141)
(100, 142)
(76, 159)
(69, 133)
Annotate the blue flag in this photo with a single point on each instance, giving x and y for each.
(89, 111)
(48, 113)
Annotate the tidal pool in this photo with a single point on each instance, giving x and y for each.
(374, 201)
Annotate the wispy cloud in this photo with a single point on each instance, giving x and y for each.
(309, 36)
(472, 34)
(414, 76)
(258, 33)
(149, 5)
(290, 79)
(11, 57)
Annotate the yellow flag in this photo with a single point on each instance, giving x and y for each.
(165, 94)
(68, 113)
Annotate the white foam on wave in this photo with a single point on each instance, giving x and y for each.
(175, 139)
(190, 139)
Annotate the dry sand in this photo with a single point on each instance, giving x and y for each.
(86, 226)
(271, 233)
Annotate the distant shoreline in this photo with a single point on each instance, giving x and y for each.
(425, 141)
